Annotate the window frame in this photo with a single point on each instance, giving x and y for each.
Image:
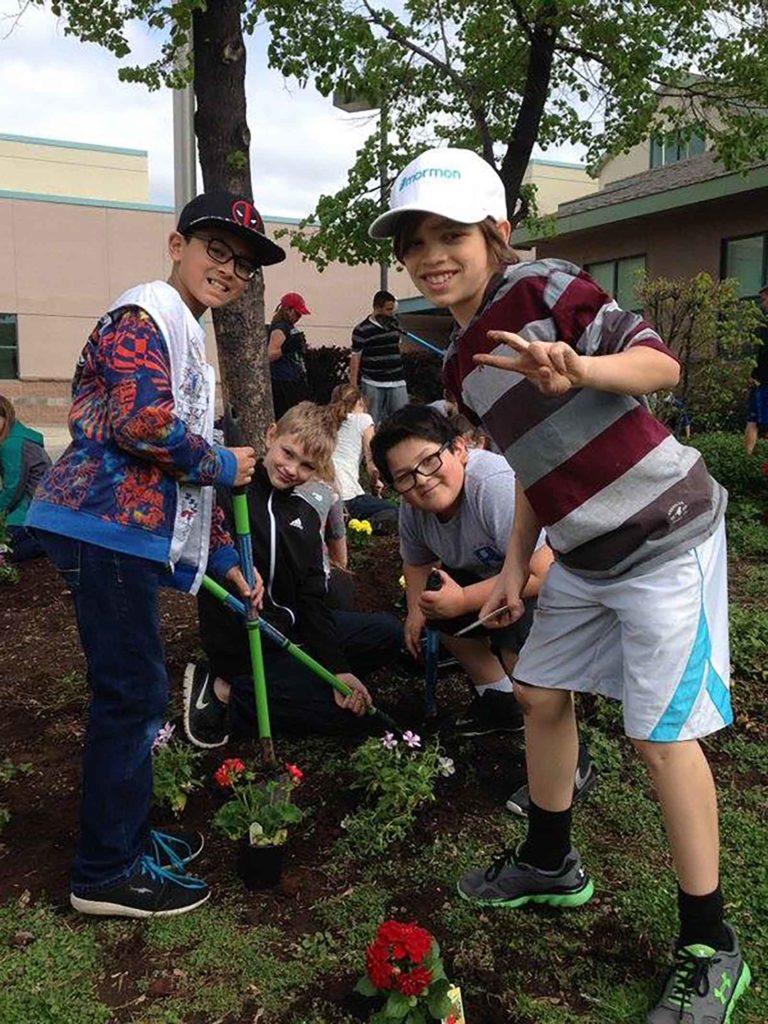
(725, 242)
(13, 320)
(616, 260)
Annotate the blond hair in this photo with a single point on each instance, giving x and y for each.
(9, 417)
(315, 429)
(501, 252)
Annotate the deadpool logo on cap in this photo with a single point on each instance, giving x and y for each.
(246, 214)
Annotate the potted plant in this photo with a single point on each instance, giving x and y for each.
(257, 815)
(404, 972)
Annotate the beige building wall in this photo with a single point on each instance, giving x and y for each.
(62, 264)
(658, 238)
(46, 167)
(638, 158)
(558, 183)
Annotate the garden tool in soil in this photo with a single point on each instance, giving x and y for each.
(245, 550)
(234, 436)
(282, 641)
(431, 653)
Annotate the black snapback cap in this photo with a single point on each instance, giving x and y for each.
(235, 214)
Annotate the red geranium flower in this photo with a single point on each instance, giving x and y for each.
(380, 970)
(413, 983)
(229, 770)
(296, 773)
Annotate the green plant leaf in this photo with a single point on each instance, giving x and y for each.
(365, 986)
(397, 1005)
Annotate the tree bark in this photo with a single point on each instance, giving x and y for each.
(532, 104)
(223, 140)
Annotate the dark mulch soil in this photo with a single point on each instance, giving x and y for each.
(43, 695)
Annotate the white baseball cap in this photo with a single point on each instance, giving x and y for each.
(453, 183)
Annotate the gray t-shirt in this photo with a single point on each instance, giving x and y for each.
(475, 539)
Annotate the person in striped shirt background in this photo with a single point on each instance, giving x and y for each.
(635, 606)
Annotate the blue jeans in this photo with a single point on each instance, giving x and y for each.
(383, 402)
(116, 607)
(381, 513)
(24, 545)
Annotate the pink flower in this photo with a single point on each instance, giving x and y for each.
(297, 775)
(411, 739)
(388, 740)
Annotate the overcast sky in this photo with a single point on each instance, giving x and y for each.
(52, 86)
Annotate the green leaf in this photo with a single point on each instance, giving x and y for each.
(397, 1005)
(366, 987)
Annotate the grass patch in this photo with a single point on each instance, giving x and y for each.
(50, 980)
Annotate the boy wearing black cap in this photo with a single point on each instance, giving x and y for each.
(128, 508)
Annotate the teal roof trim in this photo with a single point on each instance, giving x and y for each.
(31, 140)
(116, 204)
(644, 206)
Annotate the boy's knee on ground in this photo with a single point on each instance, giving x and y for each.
(542, 703)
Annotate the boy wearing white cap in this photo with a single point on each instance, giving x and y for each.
(635, 606)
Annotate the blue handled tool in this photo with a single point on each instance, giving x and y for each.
(431, 653)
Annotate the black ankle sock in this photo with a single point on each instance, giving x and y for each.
(701, 920)
(549, 838)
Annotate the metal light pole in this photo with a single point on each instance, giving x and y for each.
(184, 149)
(357, 103)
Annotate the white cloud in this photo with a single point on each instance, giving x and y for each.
(52, 86)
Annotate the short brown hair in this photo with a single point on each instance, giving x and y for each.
(315, 429)
(9, 416)
(503, 254)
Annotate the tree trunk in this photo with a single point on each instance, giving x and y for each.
(223, 140)
(526, 130)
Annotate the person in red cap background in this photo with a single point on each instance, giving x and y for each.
(287, 345)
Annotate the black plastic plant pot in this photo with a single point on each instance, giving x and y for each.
(259, 867)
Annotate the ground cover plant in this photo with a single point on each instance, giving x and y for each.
(293, 955)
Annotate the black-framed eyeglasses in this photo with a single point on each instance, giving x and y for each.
(221, 252)
(428, 466)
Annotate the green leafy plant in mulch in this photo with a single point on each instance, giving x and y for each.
(176, 770)
(396, 778)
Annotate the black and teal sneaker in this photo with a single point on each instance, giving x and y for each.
(509, 882)
(703, 985)
(151, 891)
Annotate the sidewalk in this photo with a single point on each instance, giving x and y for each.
(56, 438)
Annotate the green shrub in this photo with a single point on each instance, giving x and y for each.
(749, 643)
(728, 463)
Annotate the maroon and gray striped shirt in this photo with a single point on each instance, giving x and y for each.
(615, 491)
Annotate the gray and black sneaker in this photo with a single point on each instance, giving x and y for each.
(205, 716)
(494, 711)
(174, 850)
(584, 780)
(703, 985)
(151, 891)
(509, 882)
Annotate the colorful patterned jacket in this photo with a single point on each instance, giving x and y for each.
(116, 484)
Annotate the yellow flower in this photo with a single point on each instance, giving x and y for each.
(402, 583)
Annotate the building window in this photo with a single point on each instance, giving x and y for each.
(668, 149)
(9, 349)
(746, 259)
(618, 278)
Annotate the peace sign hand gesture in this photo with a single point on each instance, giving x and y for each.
(552, 366)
